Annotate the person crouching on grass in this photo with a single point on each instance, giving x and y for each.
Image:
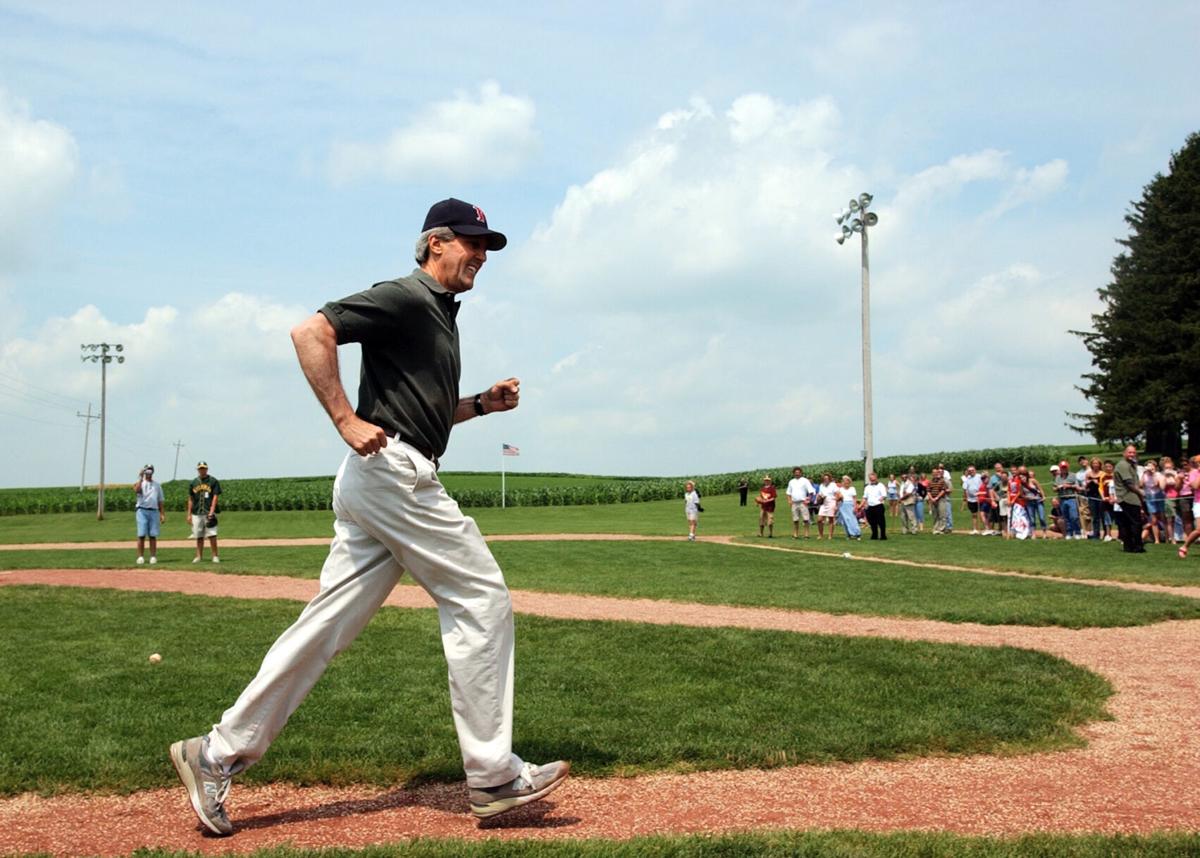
(691, 508)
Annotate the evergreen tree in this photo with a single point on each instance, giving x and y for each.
(1146, 343)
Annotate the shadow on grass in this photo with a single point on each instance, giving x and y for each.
(443, 798)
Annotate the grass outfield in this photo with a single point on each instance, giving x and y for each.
(816, 844)
(723, 516)
(727, 575)
(614, 698)
(1103, 561)
(652, 518)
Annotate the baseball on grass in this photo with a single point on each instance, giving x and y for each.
(155, 658)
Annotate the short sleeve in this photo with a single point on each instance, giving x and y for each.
(368, 315)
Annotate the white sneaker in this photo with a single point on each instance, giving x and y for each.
(153, 560)
(1108, 538)
(216, 559)
(141, 560)
(974, 532)
(195, 559)
(532, 783)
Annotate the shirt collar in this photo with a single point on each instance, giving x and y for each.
(448, 298)
(430, 282)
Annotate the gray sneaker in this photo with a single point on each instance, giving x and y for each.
(533, 783)
(206, 788)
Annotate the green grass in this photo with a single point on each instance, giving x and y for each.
(718, 574)
(82, 709)
(1103, 561)
(650, 518)
(723, 516)
(806, 844)
(298, 562)
(120, 527)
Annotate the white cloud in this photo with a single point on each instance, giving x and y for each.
(1030, 185)
(942, 183)
(38, 162)
(490, 135)
(945, 180)
(573, 360)
(698, 199)
(222, 376)
(246, 326)
(698, 298)
(698, 107)
(809, 124)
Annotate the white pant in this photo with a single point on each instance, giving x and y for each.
(394, 515)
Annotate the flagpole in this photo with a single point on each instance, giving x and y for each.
(501, 476)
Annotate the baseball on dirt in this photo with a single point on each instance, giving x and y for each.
(155, 658)
(846, 554)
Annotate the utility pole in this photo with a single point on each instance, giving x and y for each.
(178, 445)
(100, 354)
(87, 427)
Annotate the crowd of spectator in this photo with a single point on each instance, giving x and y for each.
(1152, 502)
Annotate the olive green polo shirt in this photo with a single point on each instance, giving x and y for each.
(1125, 481)
(410, 358)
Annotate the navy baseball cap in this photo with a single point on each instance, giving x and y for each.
(464, 219)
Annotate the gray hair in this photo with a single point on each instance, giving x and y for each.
(445, 233)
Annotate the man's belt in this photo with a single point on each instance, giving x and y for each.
(420, 448)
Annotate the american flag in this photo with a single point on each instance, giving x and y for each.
(509, 450)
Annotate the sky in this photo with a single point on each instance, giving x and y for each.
(190, 180)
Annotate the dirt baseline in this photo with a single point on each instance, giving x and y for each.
(1139, 773)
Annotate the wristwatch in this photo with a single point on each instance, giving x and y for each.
(479, 412)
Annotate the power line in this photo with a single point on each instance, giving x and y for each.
(36, 420)
(130, 435)
(68, 399)
(9, 390)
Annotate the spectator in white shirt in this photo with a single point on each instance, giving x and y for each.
(970, 488)
(908, 503)
(874, 496)
(827, 513)
(691, 508)
(799, 491)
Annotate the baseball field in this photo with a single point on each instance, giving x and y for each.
(736, 696)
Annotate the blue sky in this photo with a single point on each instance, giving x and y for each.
(191, 180)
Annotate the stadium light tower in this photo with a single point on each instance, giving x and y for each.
(100, 353)
(856, 218)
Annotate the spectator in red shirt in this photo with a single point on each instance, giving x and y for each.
(766, 507)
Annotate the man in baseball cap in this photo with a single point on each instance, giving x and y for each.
(203, 498)
(394, 517)
(1066, 487)
(463, 219)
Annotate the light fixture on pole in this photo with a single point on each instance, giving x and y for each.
(854, 219)
(100, 353)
